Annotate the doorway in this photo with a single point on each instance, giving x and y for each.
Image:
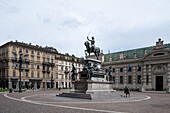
(159, 83)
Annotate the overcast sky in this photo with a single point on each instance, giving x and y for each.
(117, 25)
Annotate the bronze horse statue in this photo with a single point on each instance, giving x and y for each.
(95, 50)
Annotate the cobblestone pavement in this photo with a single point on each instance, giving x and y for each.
(45, 101)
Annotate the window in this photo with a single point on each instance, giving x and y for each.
(43, 60)
(38, 53)
(61, 68)
(14, 48)
(139, 79)
(129, 79)
(38, 67)
(32, 66)
(38, 74)
(48, 76)
(147, 79)
(26, 50)
(43, 75)
(113, 79)
(32, 58)
(51, 68)
(51, 56)
(13, 73)
(26, 74)
(121, 69)
(51, 61)
(14, 55)
(20, 49)
(139, 68)
(38, 59)
(48, 61)
(129, 69)
(43, 67)
(32, 75)
(113, 69)
(26, 65)
(26, 57)
(121, 79)
(32, 52)
(43, 54)
(14, 64)
(51, 76)
(48, 69)
(48, 55)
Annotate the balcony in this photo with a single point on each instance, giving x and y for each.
(14, 59)
(38, 55)
(48, 63)
(44, 63)
(52, 64)
(66, 72)
(14, 51)
(26, 54)
(27, 69)
(27, 61)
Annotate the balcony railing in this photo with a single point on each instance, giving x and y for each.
(27, 61)
(44, 63)
(14, 58)
(27, 69)
(48, 71)
(44, 70)
(52, 64)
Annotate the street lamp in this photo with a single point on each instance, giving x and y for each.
(20, 63)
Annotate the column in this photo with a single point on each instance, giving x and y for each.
(168, 79)
(125, 77)
(143, 81)
(150, 77)
(134, 77)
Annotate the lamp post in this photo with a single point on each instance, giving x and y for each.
(20, 62)
(20, 69)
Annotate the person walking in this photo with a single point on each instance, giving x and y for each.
(126, 91)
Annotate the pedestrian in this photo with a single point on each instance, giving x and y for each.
(127, 91)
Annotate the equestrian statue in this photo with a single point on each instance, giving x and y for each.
(90, 48)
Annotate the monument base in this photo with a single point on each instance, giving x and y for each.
(88, 89)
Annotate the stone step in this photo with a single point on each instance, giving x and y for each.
(76, 95)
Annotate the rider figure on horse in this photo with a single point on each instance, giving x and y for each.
(92, 43)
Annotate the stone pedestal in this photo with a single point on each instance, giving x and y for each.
(142, 89)
(92, 83)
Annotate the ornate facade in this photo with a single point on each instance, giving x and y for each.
(39, 69)
(144, 69)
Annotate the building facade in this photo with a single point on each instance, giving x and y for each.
(38, 69)
(141, 69)
(63, 70)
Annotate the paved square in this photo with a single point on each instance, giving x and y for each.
(46, 101)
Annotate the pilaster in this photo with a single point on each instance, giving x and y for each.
(168, 79)
(134, 76)
(117, 78)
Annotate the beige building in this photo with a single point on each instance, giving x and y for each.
(141, 69)
(38, 69)
(64, 68)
